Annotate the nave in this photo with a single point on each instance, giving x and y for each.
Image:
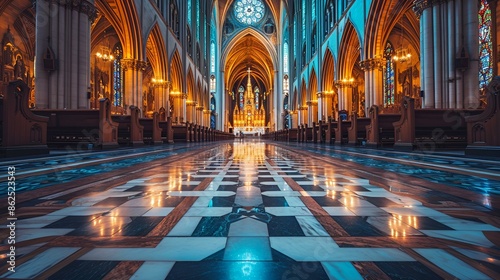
(250, 209)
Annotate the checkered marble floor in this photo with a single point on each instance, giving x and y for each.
(253, 210)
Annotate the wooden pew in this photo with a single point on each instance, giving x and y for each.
(380, 131)
(22, 131)
(152, 131)
(130, 131)
(292, 134)
(431, 129)
(323, 127)
(483, 129)
(81, 129)
(330, 131)
(181, 133)
(315, 129)
(357, 131)
(340, 130)
(308, 133)
(167, 133)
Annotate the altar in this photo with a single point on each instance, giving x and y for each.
(249, 116)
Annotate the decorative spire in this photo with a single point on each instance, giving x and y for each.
(249, 87)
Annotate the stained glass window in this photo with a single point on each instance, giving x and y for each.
(313, 10)
(295, 39)
(304, 20)
(285, 57)
(286, 84)
(249, 11)
(241, 90)
(256, 91)
(189, 12)
(212, 84)
(389, 75)
(485, 45)
(212, 57)
(117, 77)
(198, 15)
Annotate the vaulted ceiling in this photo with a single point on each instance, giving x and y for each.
(249, 50)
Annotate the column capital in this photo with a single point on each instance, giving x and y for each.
(133, 64)
(371, 64)
(81, 6)
(420, 5)
(312, 103)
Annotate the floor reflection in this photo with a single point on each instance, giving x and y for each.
(254, 210)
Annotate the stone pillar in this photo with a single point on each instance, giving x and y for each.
(459, 103)
(199, 115)
(133, 73)
(438, 49)
(471, 23)
(295, 119)
(65, 85)
(178, 107)
(321, 105)
(183, 108)
(374, 91)
(452, 51)
(428, 62)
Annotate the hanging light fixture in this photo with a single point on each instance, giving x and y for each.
(401, 54)
(105, 54)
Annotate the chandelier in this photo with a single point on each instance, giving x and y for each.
(402, 55)
(105, 54)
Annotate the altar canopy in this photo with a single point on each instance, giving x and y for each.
(249, 115)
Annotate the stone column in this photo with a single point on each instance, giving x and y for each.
(471, 23)
(452, 52)
(374, 92)
(295, 119)
(66, 85)
(178, 107)
(423, 9)
(459, 103)
(133, 72)
(183, 111)
(199, 115)
(438, 49)
(321, 105)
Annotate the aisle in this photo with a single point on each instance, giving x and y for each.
(253, 210)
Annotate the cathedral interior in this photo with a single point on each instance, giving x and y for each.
(250, 139)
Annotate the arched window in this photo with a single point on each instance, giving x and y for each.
(256, 91)
(389, 82)
(212, 57)
(286, 119)
(189, 42)
(485, 45)
(198, 16)
(295, 39)
(313, 40)
(189, 12)
(249, 11)
(212, 113)
(313, 10)
(286, 85)
(212, 83)
(303, 55)
(304, 20)
(174, 18)
(241, 90)
(118, 76)
(285, 57)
